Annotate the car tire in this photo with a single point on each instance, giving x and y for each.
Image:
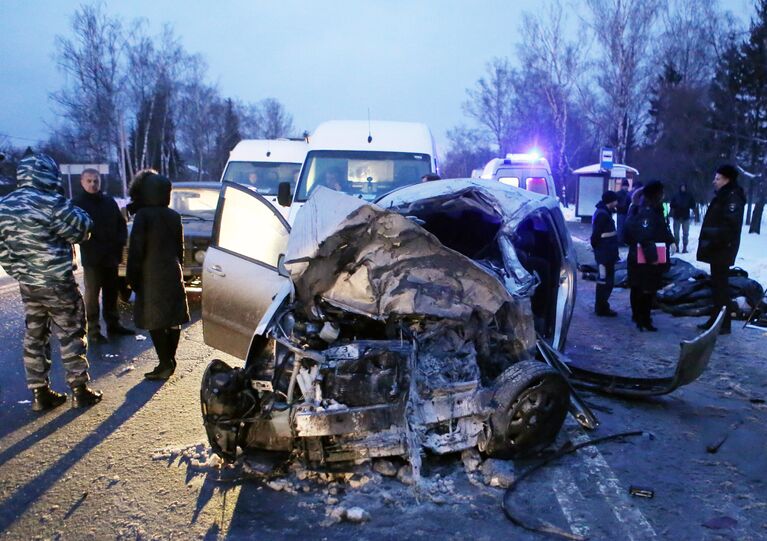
(530, 402)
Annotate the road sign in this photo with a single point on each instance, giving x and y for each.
(606, 158)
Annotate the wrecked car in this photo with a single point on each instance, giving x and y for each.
(372, 330)
(433, 318)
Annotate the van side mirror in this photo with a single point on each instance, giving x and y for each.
(284, 197)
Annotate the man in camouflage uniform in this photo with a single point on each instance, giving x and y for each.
(38, 226)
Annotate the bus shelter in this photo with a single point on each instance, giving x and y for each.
(592, 181)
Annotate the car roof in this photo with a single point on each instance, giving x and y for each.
(269, 150)
(386, 136)
(438, 188)
(210, 184)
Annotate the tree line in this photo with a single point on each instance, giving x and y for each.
(674, 87)
(140, 100)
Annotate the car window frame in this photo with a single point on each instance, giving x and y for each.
(251, 191)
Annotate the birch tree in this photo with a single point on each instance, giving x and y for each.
(624, 30)
(556, 64)
(490, 103)
(91, 61)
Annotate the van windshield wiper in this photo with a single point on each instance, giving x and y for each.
(195, 216)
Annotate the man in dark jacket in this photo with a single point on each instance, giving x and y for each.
(101, 255)
(621, 211)
(604, 241)
(720, 238)
(38, 226)
(682, 206)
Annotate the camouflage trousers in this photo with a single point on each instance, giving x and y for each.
(58, 308)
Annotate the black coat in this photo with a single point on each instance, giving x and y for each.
(624, 200)
(682, 205)
(155, 253)
(646, 227)
(720, 233)
(604, 239)
(104, 248)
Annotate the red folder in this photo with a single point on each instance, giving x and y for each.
(660, 247)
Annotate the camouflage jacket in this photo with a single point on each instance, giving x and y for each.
(38, 225)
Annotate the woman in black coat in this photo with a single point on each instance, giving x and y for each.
(155, 254)
(646, 226)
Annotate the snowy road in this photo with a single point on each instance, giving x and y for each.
(136, 465)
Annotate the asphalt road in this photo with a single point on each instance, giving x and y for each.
(137, 466)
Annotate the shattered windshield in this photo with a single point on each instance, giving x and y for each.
(195, 202)
(366, 174)
(265, 176)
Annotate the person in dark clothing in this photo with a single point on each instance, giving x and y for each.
(604, 241)
(682, 207)
(720, 239)
(101, 255)
(645, 227)
(621, 211)
(155, 253)
(635, 203)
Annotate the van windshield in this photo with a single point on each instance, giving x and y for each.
(367, 174)
(265, 176)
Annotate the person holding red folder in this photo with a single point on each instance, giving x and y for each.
(646, 230)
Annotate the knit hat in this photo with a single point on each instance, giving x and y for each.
(609, 196)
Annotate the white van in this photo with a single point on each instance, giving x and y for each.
(527, 171)
(363, 158)
(265, 163)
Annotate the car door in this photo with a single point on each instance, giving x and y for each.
(240, 279)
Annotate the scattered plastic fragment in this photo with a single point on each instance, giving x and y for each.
(140, 337)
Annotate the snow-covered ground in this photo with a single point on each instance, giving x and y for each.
(752, 256)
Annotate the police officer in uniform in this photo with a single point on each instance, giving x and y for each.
(720, 239)
(604, 241)
(645, 228)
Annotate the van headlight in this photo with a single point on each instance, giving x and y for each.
(199, 256)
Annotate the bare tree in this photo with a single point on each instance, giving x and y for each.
(158, 68)
(91, 60)
(468, 150)
(624, 29)
(694, 36)
(490, 103)
(556, 63)
(266, 119)
(275, 120)
(199, 119)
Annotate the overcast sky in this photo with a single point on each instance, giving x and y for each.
(404, 60)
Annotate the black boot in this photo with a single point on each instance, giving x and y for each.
(44, 398)
(83, 396)
(173, 337)
(163, 345)
(163, 370)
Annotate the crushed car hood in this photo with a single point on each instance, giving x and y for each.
(374, 262)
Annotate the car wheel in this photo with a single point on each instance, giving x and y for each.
(530, 400)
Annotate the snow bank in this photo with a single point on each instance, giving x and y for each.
(752, 256)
